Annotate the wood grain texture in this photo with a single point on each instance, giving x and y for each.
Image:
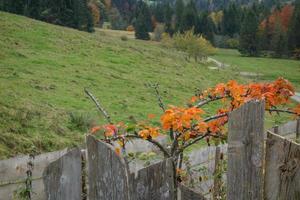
(282, 176)
(246, 152)
(186, 193)
(154, 182)
(62, 178)
(107, 172)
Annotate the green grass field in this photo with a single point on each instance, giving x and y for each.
(44, 69)
(267, 68)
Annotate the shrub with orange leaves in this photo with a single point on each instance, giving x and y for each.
(188, 125)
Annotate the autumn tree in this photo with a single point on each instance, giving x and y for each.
(187, 125)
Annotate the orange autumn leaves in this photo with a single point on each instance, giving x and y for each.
(189, 122)
(275, 93)
(179, 118)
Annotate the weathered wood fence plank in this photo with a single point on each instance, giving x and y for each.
(13, 174)
(246, 152)
(62, 178)
(186, 193)
(282, 176)
(107, 172)
(155, 182)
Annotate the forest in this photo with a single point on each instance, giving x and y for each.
(268, 28)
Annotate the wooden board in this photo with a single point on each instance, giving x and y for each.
(13, 172)
(155, 182)
(282, 176)
(107, 172)
(62, 178)
(246, 152)
(186, 193)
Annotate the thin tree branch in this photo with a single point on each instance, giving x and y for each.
(192, 142)
(281, 110)
(98, 105)
(154, 142)
(159, 97)
(207, 101)
(215, 117)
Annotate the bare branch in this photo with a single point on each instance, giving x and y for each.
(207, 101)
(281, 111)
(215, 117)
(154, 142)
(192, 142)
(159, 97)
(98, 105)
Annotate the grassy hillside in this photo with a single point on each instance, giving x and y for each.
(44, 69)
(265, 68)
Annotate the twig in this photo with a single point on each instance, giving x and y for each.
(159, 98)
(207, 101)
(157, 144)
(192, 142)
(98, 105)
(215, 117)
(281, 110)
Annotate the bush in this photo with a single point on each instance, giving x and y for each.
(195, 45)
(296, 54)
(130, 28)
(158, 32)
(124, 38)
(232, 43)
(167, 40)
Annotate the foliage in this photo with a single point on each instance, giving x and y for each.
(194, 45)
(248, 36)
(143, 22)
(188, 125)
(158, 32)
(232, 43)
(95, 12)
(294, 31)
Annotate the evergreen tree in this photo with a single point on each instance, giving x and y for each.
(179, 7)
(248, 34)
(143, 21)
(278, 42)
(231, 20)
(189, 18)
(294, 29)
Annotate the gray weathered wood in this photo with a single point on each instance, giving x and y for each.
(13, 173)
(298, 131)
(62, 178)
(186, 193)
(155, 182)
(217, 178)
(107, 172)
(288, 129)
(282, 176)
(246, 152)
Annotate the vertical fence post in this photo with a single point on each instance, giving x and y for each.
(217, 178)
(298, 131)
(246, 152)
(62, 178)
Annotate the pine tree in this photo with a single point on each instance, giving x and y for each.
(231, 20)
(294, 29)
(143, 21)
(248, 34)
(179, 7)
(189, 17)
(278, 42)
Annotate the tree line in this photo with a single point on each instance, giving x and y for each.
(267, 28)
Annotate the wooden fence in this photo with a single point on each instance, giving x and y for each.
(260, 166)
